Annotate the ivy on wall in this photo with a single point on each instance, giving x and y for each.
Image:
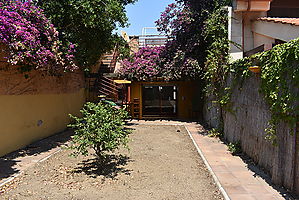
(280, 83)
(216, 65)
(279, 73)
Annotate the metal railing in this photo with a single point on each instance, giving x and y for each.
(152, 40)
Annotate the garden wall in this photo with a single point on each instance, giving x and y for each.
(35, 105)
(247, 121)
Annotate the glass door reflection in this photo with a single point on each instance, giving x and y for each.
(159, 100)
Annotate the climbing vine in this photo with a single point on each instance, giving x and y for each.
(216, 65)
(279, 82)
(279, 73)
(142, 65)
(191, 31)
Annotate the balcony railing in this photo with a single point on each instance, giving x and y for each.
(152, 40)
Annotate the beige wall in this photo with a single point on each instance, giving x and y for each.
(235, 34)
(27, 118)
(263, 40)
(284, 32)
(35, 104)
(240, 32)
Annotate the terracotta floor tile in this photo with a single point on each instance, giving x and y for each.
(236, 189)
(219, 168)
(241, 197)
(238, 169)
(213, 163)
(234, 176)
(256, 189)
(227, 179)
(266, 197)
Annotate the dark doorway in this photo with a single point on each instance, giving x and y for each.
(159, 100)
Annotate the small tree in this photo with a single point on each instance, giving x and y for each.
(101, 127)
(89, 24)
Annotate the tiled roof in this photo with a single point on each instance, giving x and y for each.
(292, 21)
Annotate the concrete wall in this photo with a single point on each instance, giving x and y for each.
(212, 113)
(34, 105)
(284, 32)
(27, 118)
(263, 40)
(247, 123)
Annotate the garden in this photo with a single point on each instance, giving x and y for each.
(106, 153)
(108, 156)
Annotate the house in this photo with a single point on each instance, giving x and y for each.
(163, 99)
(258, 25)
(155, 98)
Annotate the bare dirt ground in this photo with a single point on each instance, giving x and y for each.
(162, 164)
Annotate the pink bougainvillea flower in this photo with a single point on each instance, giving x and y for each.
(31, 39)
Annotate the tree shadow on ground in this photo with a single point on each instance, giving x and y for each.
(110, 168)
(8, 162)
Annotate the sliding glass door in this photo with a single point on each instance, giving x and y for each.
(159, 100)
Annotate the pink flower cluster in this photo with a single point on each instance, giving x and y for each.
(143, 65)
(175, 18)
(31, 39)
(150, 63)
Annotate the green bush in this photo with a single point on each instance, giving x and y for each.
(235, 148)
(101, 127)
(215, 133)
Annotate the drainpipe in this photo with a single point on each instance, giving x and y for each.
(243, 33)
(243, 23)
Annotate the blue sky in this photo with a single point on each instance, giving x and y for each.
(144, 13)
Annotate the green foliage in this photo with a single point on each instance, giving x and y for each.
(239, 68)
(215, 133)
(87, 23)
(216, 65)
(235, 148)
(280, 83)
(101, 127)
(280, 73)
(271, 133)
(124, 50)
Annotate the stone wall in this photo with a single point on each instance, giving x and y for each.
(246, 122)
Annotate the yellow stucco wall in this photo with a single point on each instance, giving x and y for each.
(188, 92)
(28, 118)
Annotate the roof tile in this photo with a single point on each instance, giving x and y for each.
(292, 21)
